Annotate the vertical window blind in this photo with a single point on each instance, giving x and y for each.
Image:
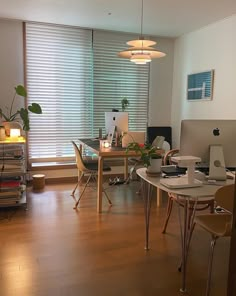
(59, 77)
(116, 78)
(75, 75)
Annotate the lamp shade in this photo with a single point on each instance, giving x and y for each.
(141, 51)
(15, 133)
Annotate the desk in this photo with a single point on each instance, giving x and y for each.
(112, 152)
(189, 193)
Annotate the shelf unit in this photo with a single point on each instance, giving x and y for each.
(12, 173)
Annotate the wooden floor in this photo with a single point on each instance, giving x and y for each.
(53, 250)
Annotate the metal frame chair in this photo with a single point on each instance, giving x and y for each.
(218, 224)
(85, 168)
(202, 204)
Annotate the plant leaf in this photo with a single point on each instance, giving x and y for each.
(24, 114)
(35, 108)
(3, 115)
(21, 91)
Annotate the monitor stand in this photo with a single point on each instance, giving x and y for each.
(187, 180)
(217, 169)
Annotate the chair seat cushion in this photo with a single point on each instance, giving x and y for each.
(216, 224)
(93, 166)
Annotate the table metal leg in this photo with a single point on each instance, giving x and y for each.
(100, 182)
(147, 198)
(183, 231)
(186, 229)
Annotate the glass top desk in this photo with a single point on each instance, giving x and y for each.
(186, 194)
(111, 152)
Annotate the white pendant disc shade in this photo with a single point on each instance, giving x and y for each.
(141, 50)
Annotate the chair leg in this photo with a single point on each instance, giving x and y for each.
(213, 242)
(168, 212)
(212, 206)
(108, 199)
(73, 192)
(76, 205)
(130, 173)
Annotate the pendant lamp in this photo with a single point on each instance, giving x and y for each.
(141, 50)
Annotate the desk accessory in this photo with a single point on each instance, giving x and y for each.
(187, 180)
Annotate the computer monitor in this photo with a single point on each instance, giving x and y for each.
(118, 119)
(197, 136)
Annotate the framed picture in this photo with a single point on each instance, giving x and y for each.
(200, 86)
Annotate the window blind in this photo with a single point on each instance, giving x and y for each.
(76, 75)
(59, 77)
(116, 78)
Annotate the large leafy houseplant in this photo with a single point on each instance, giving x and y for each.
(146, 152)
(23, 113)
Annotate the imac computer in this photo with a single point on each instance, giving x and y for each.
(118, 119)
(199, 136)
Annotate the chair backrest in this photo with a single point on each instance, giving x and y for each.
(79, 159)
(131, 136)
(168, 155)
(224, 197)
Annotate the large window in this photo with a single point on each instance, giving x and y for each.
(75, 75)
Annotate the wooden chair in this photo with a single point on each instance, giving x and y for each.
(85, 168)
(202, 204)
(218, 224)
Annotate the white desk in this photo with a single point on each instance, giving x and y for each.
(190, 193)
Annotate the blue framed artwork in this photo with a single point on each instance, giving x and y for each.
(200, 86)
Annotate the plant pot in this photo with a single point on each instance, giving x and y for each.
(155, 165)
(11, 124)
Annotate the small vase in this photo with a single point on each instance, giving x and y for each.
(155, 165)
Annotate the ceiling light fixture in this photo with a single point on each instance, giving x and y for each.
(141, 51)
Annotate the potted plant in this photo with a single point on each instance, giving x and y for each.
(124, 103)
(11, 115)
(149, 155)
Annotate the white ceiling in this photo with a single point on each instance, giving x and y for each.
(169, 18)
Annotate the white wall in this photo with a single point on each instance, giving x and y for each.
(11, 61)
(160, 93)
(212, 47)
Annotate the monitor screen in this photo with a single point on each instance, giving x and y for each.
(118, 119)
(197, 136)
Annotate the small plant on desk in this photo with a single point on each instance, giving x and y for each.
(147, 154)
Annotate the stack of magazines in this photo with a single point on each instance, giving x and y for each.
(12, 170)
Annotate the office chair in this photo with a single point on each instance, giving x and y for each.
(202, 204)
(218, 224)
(86, 168)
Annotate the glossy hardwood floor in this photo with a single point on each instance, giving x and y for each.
(54, 250)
